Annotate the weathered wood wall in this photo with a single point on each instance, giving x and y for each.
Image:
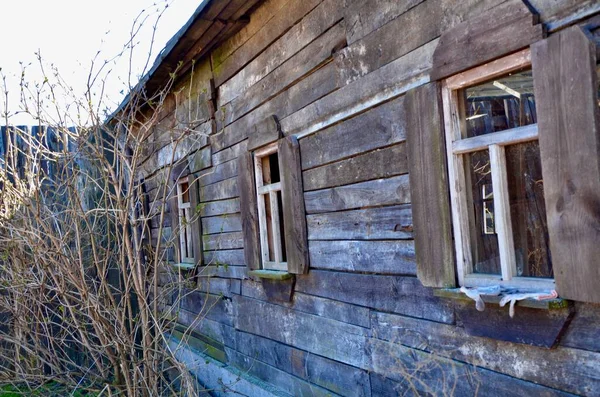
(360, 324)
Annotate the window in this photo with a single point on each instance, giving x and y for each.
(496, 183)
(184, 208)
(270, 208)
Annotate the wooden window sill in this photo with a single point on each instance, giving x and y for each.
(183, 266)
(270, 274)
(550, 304)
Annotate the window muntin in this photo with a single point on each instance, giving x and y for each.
(270, 208)
(186, 247)
(498, 211)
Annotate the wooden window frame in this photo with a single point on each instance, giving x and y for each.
(184, 223)
(456, 147)
(262, 192)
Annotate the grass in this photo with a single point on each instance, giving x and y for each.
(46, 390)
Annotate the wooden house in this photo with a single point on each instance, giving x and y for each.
(352, 164)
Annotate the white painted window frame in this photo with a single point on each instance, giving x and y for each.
(267, 195)
(456, 147)
(185, 225)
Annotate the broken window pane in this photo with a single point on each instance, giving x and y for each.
(484, 240)
(528, 210)
(500, 104)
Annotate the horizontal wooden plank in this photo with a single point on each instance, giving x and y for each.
(207, 327)
(214, 307)
(425, 22)
(219, 173)
(381, 126)
(364, 17)
(215, 286)
(200, 160)
(223, 270)
(395, 294)
(389, 191)
(310, 304)
(500, 31)
(301, 94)
(229, 153)
(275, 377)
(221, 207)
(381, 257)
(225, 257)
(328, 338)
(380, 163)
(221, 224)
(381, 223)
(304, 62)
(565, 369)
(405, 371)
(275, 27)
(317, 21)
(223, 241)
(340, 378)
(259, 18)
(219, 191)
(386, 83)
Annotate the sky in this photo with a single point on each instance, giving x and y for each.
(69, 35)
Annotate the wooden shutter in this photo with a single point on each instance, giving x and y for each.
(429, 186)
(197, 224)
(294, 214)
(248, 209)
(565, 84)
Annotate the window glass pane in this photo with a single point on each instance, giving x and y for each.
(499, 104)
(270, 169)
(281, 227)
(528, 210)
(269, 221)
(484, 240)
(185, 192)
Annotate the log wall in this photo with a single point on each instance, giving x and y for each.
(360, 323)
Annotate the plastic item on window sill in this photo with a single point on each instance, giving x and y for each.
(511, 295)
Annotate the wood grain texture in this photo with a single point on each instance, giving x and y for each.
(380, 163)
(365, 17)
(222, 190)
(223, 241)
(264, 132)
(424, 23)
(529, 326)
(316, 305)
(395, 294)
(218, 173)
(569, 123)
(294, 215)
(298, 96)
(380, 257)
(382, 223)
(550, 367)
(429, 187)
(249, 213)
(340, 378)
(500, 31)
(317, 21)
(233, 257)
(583, 332)
(379, 192)
(306, 61)
(278, 25)
(381, 126)
(214, 208)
